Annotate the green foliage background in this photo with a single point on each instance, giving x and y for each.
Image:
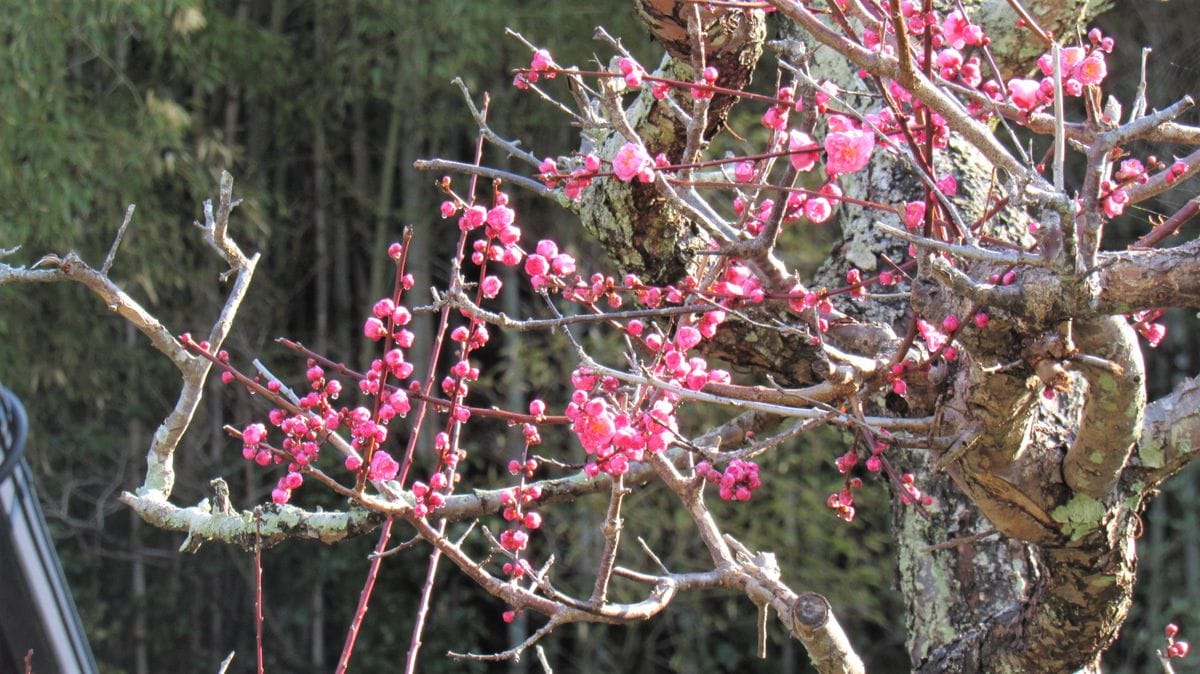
(319, 109)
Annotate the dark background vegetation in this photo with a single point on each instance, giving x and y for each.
(319, 109)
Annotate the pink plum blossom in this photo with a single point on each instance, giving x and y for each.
(914, 214)
(848, 151)
(631, 161)
(490, 286)
(934, 338)
(1092, 69)
(800, 144)
(1026, 94)
(383, 467)
(818, 209)
(959, 31)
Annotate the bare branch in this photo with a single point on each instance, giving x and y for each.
(112, 251)
(513, 653)
(964, 251)
(808, 617)
(611, 528)
(1133, 280)
(486, 172)
(204, 523)
(216, 228)
(511, 147)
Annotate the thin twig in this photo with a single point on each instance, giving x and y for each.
(611, 528)
(112, 250)
(414, 645)
(485, 172)
(258, 587)
(1170, 226)
(650, 553)
(1060, 136)
(364, 598)
(1139, 99)
(396, 548)
(965, 252)
(1030, 22)
(513, 148)
(513, 653)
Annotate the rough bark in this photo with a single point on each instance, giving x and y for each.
(643, 232)
(957, 596)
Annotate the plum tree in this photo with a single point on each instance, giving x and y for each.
(972, 332)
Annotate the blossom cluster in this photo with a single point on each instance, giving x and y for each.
(315, 414)
(575, 181)
(1080, 67)
(909, 492)
(1175, 649)
(842, 502)
(387, 383)
(519, 500)
(617, 425)
(518, 511)
(304, 426)
(736, 483)
(615, 435)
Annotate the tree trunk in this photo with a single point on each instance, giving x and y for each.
(1011, 571)
(359, 205)
(321, 203)
(317, 637)
(141, 654)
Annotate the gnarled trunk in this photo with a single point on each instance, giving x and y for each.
(1027, 563)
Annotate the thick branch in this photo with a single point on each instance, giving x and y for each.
(1112, 411)
(1133, 280)
(1170, 436)
(71, 267)
(810, 619)
(204, 523)
(1128, 281)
